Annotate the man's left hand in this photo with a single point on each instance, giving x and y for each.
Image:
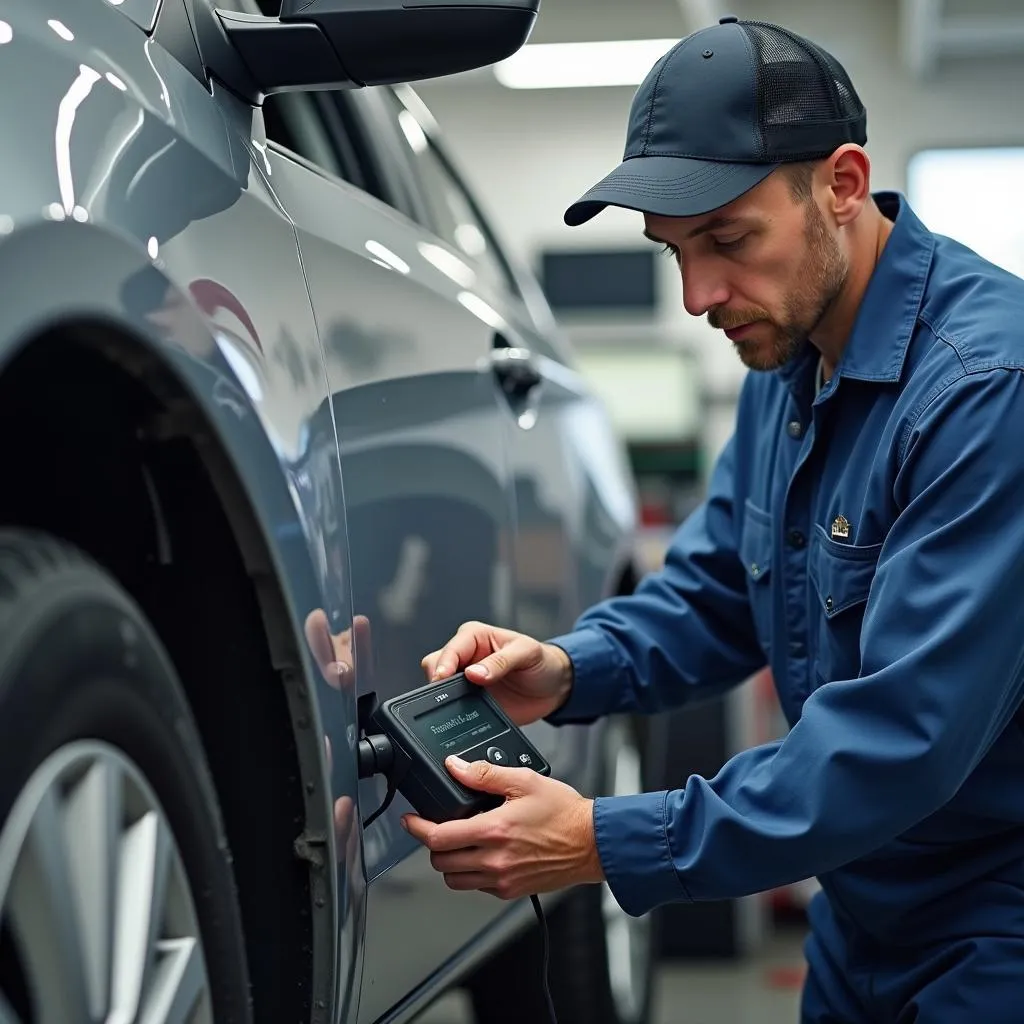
(539, 840)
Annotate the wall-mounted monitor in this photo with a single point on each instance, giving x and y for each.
(582, 280)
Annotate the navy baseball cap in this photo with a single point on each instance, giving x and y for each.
(719, 112)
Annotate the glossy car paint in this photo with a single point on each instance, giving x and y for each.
(349, 385)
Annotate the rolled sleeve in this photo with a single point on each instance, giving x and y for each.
(633, 846)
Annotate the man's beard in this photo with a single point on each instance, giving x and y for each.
(820, 279)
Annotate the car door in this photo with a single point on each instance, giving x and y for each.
(573, 505)
(419, 417)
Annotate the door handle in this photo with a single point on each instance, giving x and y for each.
(516, 370)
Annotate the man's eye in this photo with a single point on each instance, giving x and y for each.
(670, 250)
(731, 245)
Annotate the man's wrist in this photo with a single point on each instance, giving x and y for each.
(564, 674)
(591, 869)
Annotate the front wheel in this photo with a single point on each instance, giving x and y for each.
(601, 959)
(117, 900)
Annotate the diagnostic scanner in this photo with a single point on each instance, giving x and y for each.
(407, 739)
(429, 724)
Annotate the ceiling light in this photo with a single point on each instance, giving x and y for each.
(581, 65)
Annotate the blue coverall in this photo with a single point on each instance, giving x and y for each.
(867, 544)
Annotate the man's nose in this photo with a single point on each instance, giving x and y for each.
(702, 290)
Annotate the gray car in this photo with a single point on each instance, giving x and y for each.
(279, 413)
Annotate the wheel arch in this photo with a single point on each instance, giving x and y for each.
(84, 308)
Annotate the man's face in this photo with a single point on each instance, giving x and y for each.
(764, 269)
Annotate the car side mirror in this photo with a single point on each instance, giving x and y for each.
(346, 44)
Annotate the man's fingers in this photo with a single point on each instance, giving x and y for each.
(459, 651)
(515, 655)
(449, 835)
(492, 778)
(450, 862)
(471, 880)
(429, 663)
(452, 835)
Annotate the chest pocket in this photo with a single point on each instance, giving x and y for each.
(756, 554)
(840, 577)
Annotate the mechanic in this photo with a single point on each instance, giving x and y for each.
(862, 535)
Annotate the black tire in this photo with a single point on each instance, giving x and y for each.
(78, 661)
(507, 989)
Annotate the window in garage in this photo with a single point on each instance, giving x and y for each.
(971, 195)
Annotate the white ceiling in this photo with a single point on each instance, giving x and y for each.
(930, 30)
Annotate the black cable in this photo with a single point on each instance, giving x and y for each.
(392, 789)
(544, 938)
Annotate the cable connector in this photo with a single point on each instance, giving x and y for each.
(376, 756)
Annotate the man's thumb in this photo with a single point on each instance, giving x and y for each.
(487, 777)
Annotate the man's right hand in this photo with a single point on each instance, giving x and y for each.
(529, 679)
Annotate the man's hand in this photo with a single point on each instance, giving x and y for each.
(530, 680)
(541, 839)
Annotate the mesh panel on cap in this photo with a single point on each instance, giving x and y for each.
(807, 103)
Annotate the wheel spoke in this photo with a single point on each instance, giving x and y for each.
(99, 911)
(178, 981)
(37, 907)
(92, 823)
(142, 880)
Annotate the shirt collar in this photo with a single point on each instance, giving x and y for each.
(888, 313)
(877, 347)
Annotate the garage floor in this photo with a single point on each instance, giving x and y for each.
(764, 989)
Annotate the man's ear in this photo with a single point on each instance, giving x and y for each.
(848, 181)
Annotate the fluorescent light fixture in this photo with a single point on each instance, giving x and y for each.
(581, 65)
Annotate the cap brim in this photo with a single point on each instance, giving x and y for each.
(669, 186)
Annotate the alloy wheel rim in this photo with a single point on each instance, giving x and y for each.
(627, 938)
(95, 902)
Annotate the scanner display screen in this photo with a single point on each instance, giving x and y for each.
(457, 725)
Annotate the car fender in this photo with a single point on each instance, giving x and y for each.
(179, 354)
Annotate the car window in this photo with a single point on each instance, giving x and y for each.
(293, 122)
(453, 215)
(324, 130)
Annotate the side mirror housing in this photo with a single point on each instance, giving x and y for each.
(346, 44)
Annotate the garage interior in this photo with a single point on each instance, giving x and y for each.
(281, 414)
(937, 77)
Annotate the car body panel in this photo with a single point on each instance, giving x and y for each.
(350, 389)
(208, 278)
(573, 497)
(142, 12)
(427, 504)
